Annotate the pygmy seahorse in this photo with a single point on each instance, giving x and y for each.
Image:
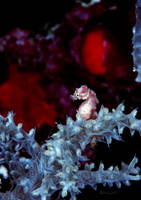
(87, 109)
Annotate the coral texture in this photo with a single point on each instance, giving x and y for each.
(137, 42)
(37, 172)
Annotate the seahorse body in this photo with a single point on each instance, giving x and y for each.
(87, 109)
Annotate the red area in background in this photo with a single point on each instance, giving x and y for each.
(23, 95)
(93, 52)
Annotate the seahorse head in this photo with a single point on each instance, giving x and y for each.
(81, 93)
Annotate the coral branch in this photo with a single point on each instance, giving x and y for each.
(37, 172)
(137, 42)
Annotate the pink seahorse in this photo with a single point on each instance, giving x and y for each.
(87, 109)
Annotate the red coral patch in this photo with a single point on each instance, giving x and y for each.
(93, 52)
(23, 95)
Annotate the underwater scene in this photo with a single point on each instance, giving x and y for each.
(70, 100)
